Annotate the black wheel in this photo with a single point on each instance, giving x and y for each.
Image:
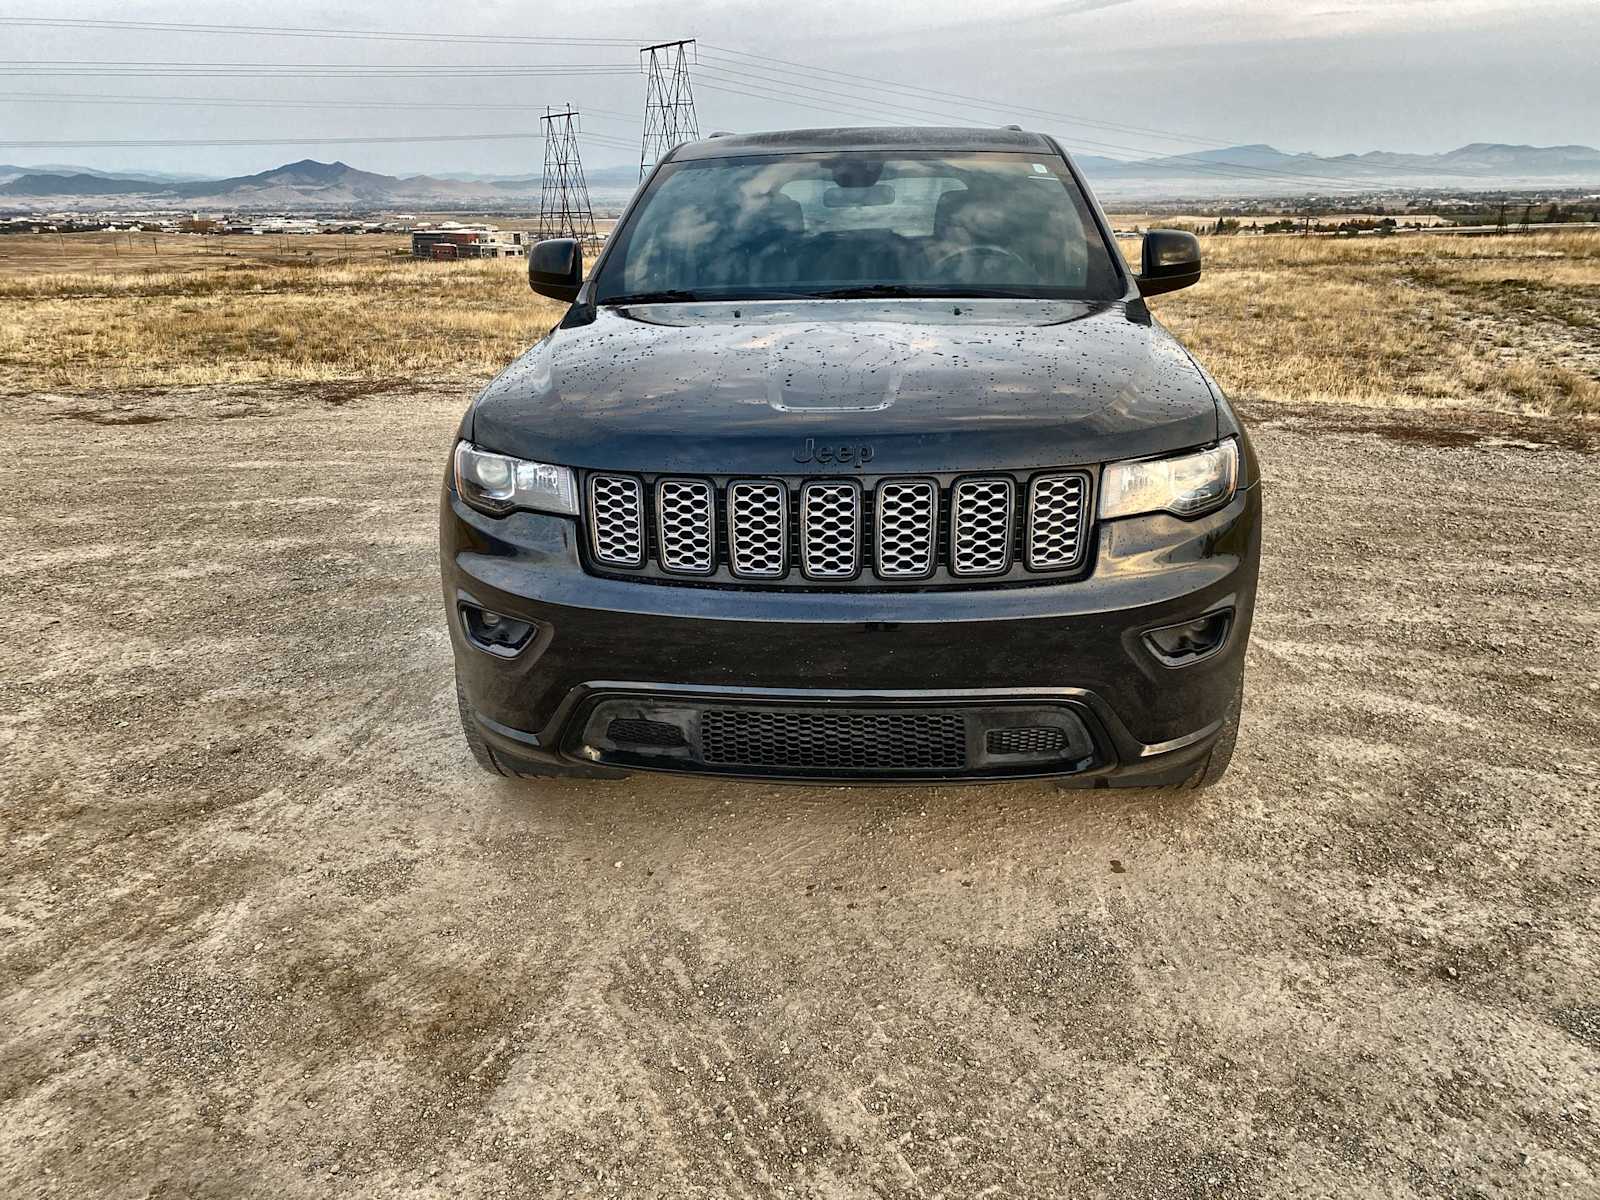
(469, 729)
(496, 764)
(1216, 764)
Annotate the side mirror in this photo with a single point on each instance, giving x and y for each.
(1170, 260)
(555, 268)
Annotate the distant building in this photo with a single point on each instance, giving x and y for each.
(450, 241)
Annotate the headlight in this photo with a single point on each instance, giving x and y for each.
(498, 483)
(1188, 484)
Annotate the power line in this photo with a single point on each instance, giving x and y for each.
(296, 31)
(770, 64)
(126, 143)
(1213, 166)
(778, 75)
(245, 102)
(811, 98)
(193, 70)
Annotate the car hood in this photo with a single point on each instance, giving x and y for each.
(783, 387)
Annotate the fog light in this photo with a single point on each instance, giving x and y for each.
(1180, 645)
(494, 632)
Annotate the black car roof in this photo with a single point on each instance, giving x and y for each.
(887, 137)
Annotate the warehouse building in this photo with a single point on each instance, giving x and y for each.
(453, 241)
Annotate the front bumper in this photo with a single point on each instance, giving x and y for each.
(1076, 648)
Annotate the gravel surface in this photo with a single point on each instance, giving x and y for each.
(266, 931)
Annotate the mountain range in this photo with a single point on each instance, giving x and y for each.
(298, 185)
(1234, 171)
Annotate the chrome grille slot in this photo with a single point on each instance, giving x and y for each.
(686, 526)
(616, 520)
(758, 528)
(830, 530)
(1055, 522)
(906, 534)
(980, 526)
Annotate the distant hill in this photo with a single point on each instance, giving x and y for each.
(1261, 169)
(72, 185)
(1256, 169)
(10, 171)
(303, 184)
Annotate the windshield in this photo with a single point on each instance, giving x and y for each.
(860, 223)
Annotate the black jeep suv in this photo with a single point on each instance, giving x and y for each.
(857, 457)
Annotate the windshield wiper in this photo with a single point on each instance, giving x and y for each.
(678, 296)
(681, 296)
(890, 291)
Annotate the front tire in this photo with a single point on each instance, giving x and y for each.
(1216, 764)
(491, 762)
(481, 753)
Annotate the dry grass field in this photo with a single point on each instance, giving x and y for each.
(1507, 323)
(25, 256)
(1144, 220)
(1510, 323)
(262, 310)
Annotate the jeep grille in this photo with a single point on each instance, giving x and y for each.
(980, 539)
(797, 532)
(616, 508)
(1055, 521)
(907, 528)
(830, 530)
(686, 525)
(758, 528)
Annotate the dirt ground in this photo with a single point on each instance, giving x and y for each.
(266, 931)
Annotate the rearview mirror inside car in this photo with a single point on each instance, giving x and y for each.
(841, 197)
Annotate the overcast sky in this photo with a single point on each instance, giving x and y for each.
(1328, 76)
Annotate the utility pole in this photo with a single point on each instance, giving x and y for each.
(669, 119)
(564, 209)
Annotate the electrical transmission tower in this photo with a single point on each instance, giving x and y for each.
(669, 119)
(564, 199)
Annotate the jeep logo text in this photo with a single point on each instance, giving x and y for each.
(845, 456)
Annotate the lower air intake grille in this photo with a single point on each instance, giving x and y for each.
(873, 741)
(635, 731)
(1033, 739)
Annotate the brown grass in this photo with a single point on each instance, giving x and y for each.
(372, 321)
(1510, 323)
(26, 255)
